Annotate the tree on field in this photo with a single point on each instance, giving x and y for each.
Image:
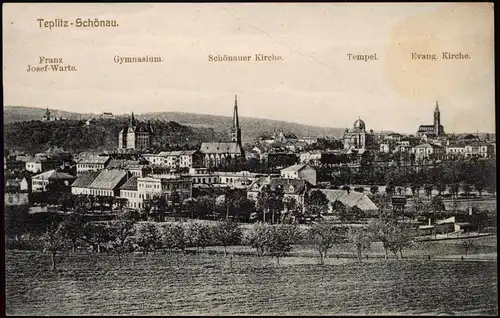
(120, 234)
(360, 238)
(199, 234)
(401, 236)
(72, 228)
(257, 237)
(323, 236)
(374, 189)
(281, 238)
(16, 221)
(174, 237)
(380, 231)
(52, 236)
(227, 233)
(97, 234)
(346, 188)
(148, 237)
(468, 245)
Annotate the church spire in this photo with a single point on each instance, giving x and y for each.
(235, 129)
(132, 120)
(437, 107)
(236, 122)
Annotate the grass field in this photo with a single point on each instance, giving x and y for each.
(168, 284)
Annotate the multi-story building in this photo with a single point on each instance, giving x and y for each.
(300, 171)
(454, 150)
(164, 185)
(176, 159)
(428, 151)
(92, 163)
(479, 149)
(292, 188)
(61, 180)
(135, 136)
(129, 191)
(37, 165)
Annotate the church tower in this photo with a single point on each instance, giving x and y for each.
(437, 120)
(235, 129)
(131, 122)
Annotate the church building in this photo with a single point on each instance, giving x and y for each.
(135, 136)
(434, 130)
(216, 154)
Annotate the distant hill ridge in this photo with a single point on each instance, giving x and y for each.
(251, 128)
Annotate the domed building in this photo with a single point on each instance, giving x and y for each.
(357, 138)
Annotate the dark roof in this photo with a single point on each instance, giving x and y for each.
(220, 147)
(131, 184)
(94, 159)
(53, 175)
(108, 179)
(85, 179)
(122, 163)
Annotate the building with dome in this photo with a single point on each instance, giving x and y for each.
(135, 136)
(357, 138)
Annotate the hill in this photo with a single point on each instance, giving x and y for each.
(251, 128)
(75, 136)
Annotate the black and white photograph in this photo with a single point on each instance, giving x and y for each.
(249, 159)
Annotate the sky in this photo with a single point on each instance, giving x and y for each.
(315, 83)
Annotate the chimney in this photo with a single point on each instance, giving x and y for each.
(470, 210)
(430, 222)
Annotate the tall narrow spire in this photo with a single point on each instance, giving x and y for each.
(235, 129)
(132, 120)
(437, 106)
(236, 122)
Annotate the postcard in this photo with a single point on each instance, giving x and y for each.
(249, 159)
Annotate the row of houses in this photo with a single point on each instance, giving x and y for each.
(451, 150)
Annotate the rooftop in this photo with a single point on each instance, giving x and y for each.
(85, 179)
(108, 179)
(351, 198)
(131, 184)
(220, 147)
(53, 175)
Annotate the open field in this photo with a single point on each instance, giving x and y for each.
(485, 248)
(165, 284)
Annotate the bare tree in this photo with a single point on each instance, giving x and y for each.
(257, 237)
(468, 245)
(323, 236)
(360, 238)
